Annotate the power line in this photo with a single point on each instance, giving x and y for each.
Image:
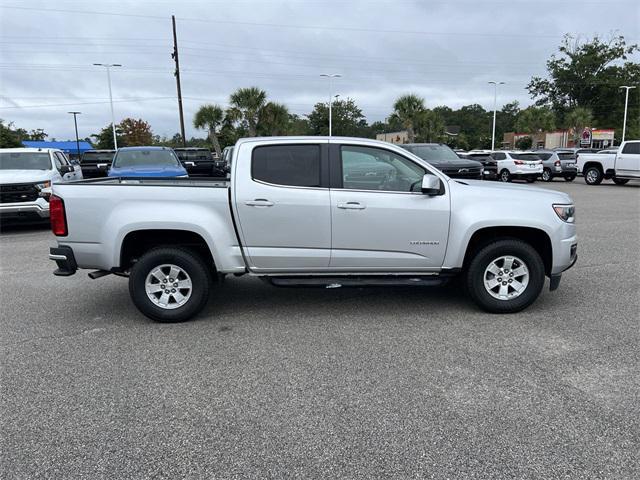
(290, 26)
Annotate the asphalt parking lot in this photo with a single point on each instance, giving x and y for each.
(340, 383)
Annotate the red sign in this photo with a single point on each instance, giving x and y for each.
(585, 138)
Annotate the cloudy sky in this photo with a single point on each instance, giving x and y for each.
(444, 50)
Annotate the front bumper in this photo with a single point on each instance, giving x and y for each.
(65, 260)
(571, 255)
(38, 207)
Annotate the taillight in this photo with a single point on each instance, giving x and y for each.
(58, 216)
(518, 162)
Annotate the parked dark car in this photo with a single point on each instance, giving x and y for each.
(446, 160)
(200, 162)
(96, 163)
(488, 163)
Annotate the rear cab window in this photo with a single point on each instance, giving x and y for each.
(288, 165)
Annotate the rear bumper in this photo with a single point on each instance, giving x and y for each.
(65, 260)
(39, 207)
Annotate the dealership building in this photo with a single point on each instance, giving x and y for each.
(592, 138)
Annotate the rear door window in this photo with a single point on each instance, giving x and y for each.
(632, 147)
(290, 165)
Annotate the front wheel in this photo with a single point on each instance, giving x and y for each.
(547, 176)
(620, 181)
(169, 284)
(505, 176)
(505, 276)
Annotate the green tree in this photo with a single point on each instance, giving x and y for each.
(246, 105)
(9, 137)
(209, 117)
(588, 74)
(430, 127)
(524, 143)
(273, 119)
(408, 111)
(346, 118)
(103, 140)
(535, 119)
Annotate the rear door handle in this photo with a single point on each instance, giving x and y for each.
(259, 202)
(351, 205)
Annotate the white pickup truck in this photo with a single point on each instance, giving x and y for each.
(314, 211)
(620, 166)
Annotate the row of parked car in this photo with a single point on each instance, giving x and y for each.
(152, 162)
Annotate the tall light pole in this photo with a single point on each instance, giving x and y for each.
(330, 76)
(495, 106)
(626, 103)
(75, 122)
(108, 66)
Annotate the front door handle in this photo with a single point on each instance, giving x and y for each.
(259, 202)
(351, 205)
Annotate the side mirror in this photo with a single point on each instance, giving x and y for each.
(64, 169)
(432, 185)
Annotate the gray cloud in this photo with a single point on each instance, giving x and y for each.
(452, 49)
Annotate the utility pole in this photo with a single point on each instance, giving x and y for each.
(75, 122)
(108, 66)
(174, 55)
(495, 107)
(626, 103)
(330, 76)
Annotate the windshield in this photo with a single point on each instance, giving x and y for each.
(97, 157)
(145, 158)
(24, 161)
(531, 157)
(432, 153)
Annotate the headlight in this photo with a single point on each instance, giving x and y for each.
(43, 185)
(566, 213)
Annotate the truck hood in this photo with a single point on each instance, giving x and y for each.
(148, 171)
(511, 192)
(24, 176)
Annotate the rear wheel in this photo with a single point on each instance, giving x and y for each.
(593, 176)
(169, 284)
(505, 175)
(547, 176)
(620, 181)
(506, 276)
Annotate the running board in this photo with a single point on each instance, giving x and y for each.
(355, 281)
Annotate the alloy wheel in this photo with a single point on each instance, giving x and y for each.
(506, 277)
(168, 286)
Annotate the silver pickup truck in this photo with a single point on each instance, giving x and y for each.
(314, 211)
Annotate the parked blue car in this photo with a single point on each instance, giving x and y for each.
(147, 162)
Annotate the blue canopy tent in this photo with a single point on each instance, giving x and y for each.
(70, 147)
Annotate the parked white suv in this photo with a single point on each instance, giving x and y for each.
(518, 165)
(24, 173)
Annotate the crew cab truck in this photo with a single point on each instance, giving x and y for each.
(305, 211)
(620, 166)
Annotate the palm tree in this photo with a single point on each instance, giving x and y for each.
(577, 119)
(274, 119)
(246, 105)
(408, 110)
(209, 117)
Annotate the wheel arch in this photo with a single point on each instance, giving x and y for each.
(537, 238)
(136, 242)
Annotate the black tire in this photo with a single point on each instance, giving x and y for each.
(190, 263)
(569, 178)
(620, 181)
(547, 175)
(593, 176)
(505, 175)
(484, 257)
